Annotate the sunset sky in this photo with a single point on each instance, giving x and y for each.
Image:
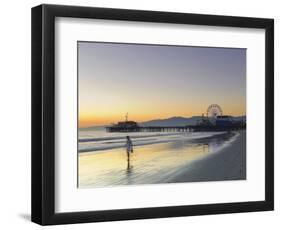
(155, 82)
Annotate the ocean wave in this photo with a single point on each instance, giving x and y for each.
(98, 139)
(107, 143)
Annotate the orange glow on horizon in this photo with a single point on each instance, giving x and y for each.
(98, 119)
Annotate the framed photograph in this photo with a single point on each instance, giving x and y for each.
(143, 114)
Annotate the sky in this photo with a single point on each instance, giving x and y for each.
(157, 81)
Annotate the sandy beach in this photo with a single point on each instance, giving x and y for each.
(229, 163)
(220, 157)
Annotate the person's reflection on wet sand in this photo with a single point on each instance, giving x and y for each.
(129, 167)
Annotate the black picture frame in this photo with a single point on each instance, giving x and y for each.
(43, 114)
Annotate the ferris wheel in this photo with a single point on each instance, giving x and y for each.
(214, 110)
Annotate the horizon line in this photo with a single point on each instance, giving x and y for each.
(100, 125)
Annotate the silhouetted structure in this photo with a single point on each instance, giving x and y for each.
(124, 126)
(214, 121)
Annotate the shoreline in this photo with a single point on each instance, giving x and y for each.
(229, 163)
(191, 138)
(216, 158)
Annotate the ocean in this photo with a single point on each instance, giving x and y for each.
(96, 138)
(157, 157)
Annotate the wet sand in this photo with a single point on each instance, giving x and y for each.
(222, 157)
(229, 163)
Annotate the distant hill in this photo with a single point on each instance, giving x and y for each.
(179, 121)
(172, 121)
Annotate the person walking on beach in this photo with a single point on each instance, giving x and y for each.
(129, 147)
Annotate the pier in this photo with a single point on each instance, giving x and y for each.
(215, 121)
(188, 128)
(148, 129)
